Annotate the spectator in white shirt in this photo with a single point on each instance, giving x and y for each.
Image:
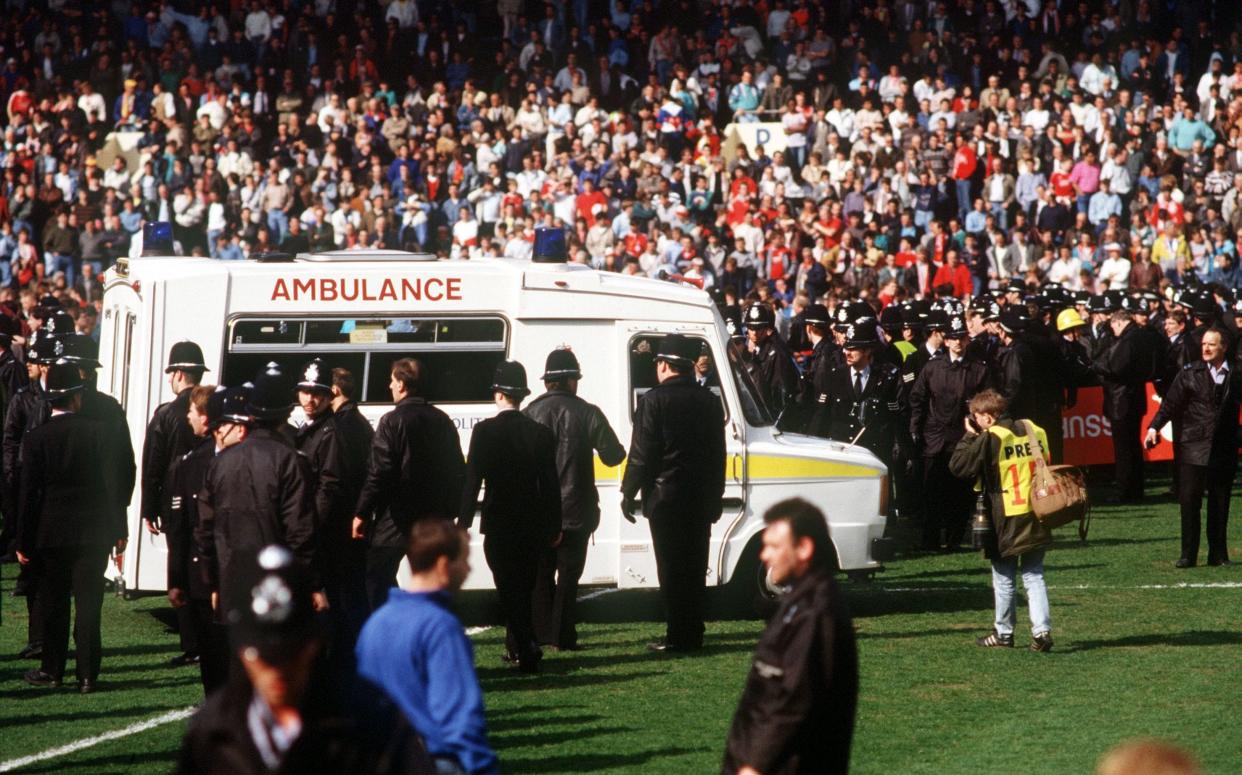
(1114, 273)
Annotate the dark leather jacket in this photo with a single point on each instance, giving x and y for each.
(516, 457)
(1124, 369)
(581, 430)
(1205, 417)
(169, 436)
(318, 442)
(677, 451)
(938, 401)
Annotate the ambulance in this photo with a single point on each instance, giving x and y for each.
(364, 309)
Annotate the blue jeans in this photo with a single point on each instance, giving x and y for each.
(278, 224)
(1000, 214)
(212, 236)
(963, 197)
(922, 218)
(1003, 587)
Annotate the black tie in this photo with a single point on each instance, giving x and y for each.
(858, 386)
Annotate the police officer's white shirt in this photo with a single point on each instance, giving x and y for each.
(866, 376)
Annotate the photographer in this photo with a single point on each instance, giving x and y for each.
(997, 452)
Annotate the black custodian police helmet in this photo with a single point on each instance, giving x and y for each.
(81, 350)
(46, 349)
(60, 323)
(759, 315)
(678, 351)
(231, 405)
(271, 398)
(817, 315)
(63, 379)
(270, 609)
(937, 320)
(890, 319)
(561, 364)
(185, 356)
(860, 335)
(316, 376)
(1013, 321)
(957, 327)
(510, 379)
(1097, 303)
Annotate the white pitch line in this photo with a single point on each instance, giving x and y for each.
(87, 742)
(1181, 585)
(472, 631)
(599, 593)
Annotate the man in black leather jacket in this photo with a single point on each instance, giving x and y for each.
(581, 429)
(676, 464)
(1124, 370)
(416, 471)
(347, 567)
(1202, 403)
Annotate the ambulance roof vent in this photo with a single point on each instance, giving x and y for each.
(368, 254)
(271, 257)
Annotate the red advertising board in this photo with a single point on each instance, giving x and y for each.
(1088, 434)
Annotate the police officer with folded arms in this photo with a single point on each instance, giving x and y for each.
(937, 415)
(515, 457)
(415, 471)
(676, 465)
(169, 435)
(581, 432)
(1202, 403)
(68, 522)
(258, 491)
(769, 359)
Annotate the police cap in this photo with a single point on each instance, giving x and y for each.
(561, 364)
(860, 335)
(63, 379)
(510, 379)
(81, 350)
(271, 398)
(316, 376)
(759, 315)
(185, 356)
(956, 328)
(59, 323)
(270, 609)
(46, 349)
(817, 315)
(1015, 285)
(891, 318)
(937, 320)
(678, 351)
(1013, 321)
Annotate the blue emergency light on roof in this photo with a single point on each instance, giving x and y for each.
(549, 246)
(157, 238)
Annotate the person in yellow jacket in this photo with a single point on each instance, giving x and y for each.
(998, 452)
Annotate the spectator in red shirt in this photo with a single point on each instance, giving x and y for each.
(964, 164)
(954, 272)
(591, 203)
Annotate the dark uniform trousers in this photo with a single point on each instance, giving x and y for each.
(1128, 454)
(947, 502)
(681, 543)
(77, 573)
(1216, 479)
(509, 558)
(556, 589)
(381, 574)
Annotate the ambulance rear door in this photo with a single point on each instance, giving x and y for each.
(636, 347)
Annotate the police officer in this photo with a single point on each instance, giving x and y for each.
(202, 639)
(893, 324)
(935, 323)
(69, 523)
(347, 568)
(1099, 335)
(1203, 403)
(1070, 330)
(169, 435)
(515, 457)
(415, 470)
(1016, 367)
(257, 491)
(816, 406)
(981, 318)
(937, 410)
(28, 409)
(676, 465)
(864, 396)
(581, 431)
(769, 360)
(1124, 370)
(13, 375)
(249, 726)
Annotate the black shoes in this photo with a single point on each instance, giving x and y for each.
(1184, 562)
(664, 646)
(181, 660)
(1042, 643)
(32, 651)
(1220, 561)
(40, 678)
(994, 640)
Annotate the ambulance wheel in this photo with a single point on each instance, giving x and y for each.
(749, 590)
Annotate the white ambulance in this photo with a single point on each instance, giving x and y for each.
(363, 310)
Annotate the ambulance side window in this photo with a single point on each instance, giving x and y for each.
(459, 354)
(643, 370)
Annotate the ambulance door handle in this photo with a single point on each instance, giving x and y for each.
(737, 431)
(734, 465)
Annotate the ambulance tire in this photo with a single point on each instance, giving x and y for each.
(748, 592)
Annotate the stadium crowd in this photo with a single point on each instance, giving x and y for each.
(947, 197)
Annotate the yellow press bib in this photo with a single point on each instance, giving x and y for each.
(1016, 468)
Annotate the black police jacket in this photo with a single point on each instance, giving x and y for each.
(913, 365)
(256, 493)
(677, 451)
(169, 436)
(581, 430)
(877, 409)
(416, 468)
(185, 481)
(796, 713)
(355, 435)
(27, 409)
(1018, 378)
(1205, 416)
(938, 401)
(1174, 359)
(816, 406)
(1099, 338)
(67, 495)
(13, 377)
(515, 457)
(318, 442)
(362, 735)
(120, 450)
(773, 368)
(1077, 369)
(1123, 370)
